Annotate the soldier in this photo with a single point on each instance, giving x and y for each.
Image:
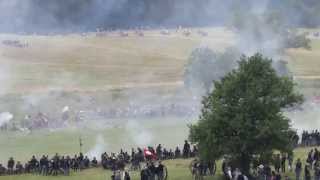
(2, 170)
(33, 164)
(145, 173)
(10, 166)
(19, 168)
(277, 163)
(177, 153)
(307, 174)
(160, 171)
(211, 166)
(283, 163)
(66, 164)
(159, 151)
(94, 162)
(44, 165)
(86, 162)
(316, 171)
(186, 149)
(298, 169)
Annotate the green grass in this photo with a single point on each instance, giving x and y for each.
(170, 132)
(178, 170)
(99, 67)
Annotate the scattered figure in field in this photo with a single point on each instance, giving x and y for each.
(145, 173)
(165, 32)
(290, 161)
(316, 170)
(283, 163)
(123, 34)
(177, 153)
(139, 33)
(277, 163)
(203, 33)
(159, 151)
(19, 168)
(160, 171)
(196, 169)
(94, 162)
(186, 149)
(278, 176)
(2, 170)
(10, 166)
(298, 169)
(186, 33)
(307, 173)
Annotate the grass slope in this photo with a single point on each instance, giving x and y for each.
(178, 170)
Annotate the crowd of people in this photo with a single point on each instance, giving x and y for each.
(147, 161)
(277, 168)
(310, 138)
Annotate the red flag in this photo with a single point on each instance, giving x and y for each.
(149, 154)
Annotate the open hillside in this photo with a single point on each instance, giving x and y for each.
(112, 70)
(90, 62)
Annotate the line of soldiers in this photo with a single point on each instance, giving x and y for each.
(63, 165)
(310, 138)
(57, 165)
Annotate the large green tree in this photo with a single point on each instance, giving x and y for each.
(242, 117)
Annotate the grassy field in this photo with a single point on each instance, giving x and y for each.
(106, 67)
(170, 132)
(74, 62)
(178, 170)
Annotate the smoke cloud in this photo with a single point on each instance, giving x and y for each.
(82, 15)
(140, 136)
(5, 118)
(305, 117)
(98, 149)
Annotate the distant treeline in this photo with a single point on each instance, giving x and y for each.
(82, 15)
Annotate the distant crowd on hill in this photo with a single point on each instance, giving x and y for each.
(147, 161)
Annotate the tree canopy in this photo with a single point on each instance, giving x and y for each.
(242, 117)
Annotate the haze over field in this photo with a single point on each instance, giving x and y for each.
(113, 64)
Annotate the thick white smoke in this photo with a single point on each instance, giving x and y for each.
(5, 118)
(98, 149)
(140, 136)
(306, 117)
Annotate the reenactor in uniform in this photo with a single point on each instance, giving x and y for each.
(10, 166)
(19, 168)
(186, 149)
(177, 153)
(2, 170)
